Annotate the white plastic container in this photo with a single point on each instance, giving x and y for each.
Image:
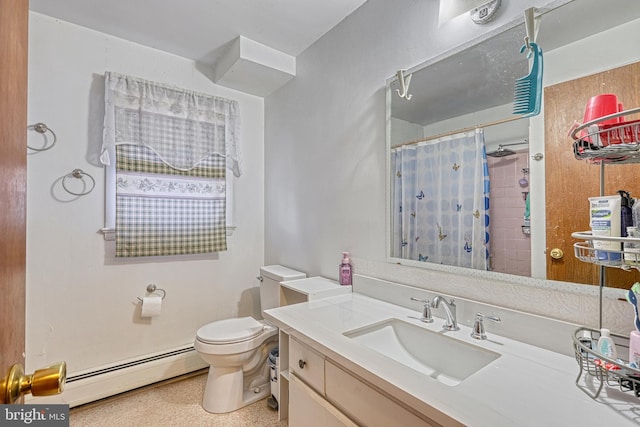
(631, 248)
(606, 346)
(605, 221)
(635, 213)
(634, 348)
(274, 369)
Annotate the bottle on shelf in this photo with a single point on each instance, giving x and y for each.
(635, 212)
(606, 346)
(632, 249)
(626, 213)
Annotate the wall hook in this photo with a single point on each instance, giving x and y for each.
(530, 27)
(403, 92)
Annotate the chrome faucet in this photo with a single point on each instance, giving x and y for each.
(426, 310)
(451, 324)
(478, 331)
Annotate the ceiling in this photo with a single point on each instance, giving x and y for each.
(199, 29)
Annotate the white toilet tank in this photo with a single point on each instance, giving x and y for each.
(270, 278)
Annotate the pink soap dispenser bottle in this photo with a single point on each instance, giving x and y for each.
(345, 270)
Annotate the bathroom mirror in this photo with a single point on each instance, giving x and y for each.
(482, 92)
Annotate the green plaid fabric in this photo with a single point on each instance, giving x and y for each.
(150, 224)
(134, 158)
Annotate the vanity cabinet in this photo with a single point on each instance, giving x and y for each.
(324, 394)
(295, 292)
(307, 406)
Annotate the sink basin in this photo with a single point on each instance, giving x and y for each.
(441, 357)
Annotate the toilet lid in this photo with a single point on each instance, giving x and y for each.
(230, 330)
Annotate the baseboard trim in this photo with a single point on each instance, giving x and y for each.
(103, 382)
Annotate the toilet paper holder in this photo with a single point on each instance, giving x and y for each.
(151, 288)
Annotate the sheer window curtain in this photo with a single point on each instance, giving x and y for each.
(167, 150)
(441, 201)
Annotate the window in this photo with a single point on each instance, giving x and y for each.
(166, 189)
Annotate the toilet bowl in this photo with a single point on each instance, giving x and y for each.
(237, 350)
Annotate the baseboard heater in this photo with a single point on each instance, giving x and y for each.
(99, 383)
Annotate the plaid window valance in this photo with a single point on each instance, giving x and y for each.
(170, 172)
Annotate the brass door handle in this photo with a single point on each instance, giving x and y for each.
(556, 253)
(43, 382)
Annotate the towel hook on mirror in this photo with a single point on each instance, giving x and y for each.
(403, 92)
(41, 128)
(530, 27)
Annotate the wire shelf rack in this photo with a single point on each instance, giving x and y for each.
(605, 371)
(590, 251)
(598, 143)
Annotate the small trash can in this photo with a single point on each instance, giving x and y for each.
(274, 367)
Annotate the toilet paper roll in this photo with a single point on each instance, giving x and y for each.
(151, 306)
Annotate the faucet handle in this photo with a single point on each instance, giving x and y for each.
(427, 317)
(478, 331)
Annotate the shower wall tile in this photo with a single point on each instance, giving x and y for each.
(510, 248)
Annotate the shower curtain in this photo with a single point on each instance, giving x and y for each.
(440, 197)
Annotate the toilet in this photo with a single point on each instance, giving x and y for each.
(237, 350)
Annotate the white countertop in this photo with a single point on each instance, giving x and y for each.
(526, 386)
(316, 285)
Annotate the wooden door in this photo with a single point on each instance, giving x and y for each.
(570, 182)
(14, 19)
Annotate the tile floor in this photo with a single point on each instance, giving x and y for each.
(174, 403)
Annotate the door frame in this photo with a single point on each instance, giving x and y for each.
(14, 26)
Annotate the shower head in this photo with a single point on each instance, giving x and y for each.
(501, 152)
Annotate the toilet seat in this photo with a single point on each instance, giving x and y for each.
(213, 345)
(229, 331)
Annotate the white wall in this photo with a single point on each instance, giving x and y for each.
(325, 156)
(325, 130)
(79, 309)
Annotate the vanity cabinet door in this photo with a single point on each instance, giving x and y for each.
(308, 409)
(364, 404)
(307, 364)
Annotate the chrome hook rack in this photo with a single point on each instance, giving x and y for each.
(405, 81)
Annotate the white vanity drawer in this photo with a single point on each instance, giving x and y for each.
(307, 364)
(365, 405)
(308, 409)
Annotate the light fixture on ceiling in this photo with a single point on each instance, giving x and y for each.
(486, 12)
(450, 9)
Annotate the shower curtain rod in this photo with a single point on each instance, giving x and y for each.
(453, 132)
